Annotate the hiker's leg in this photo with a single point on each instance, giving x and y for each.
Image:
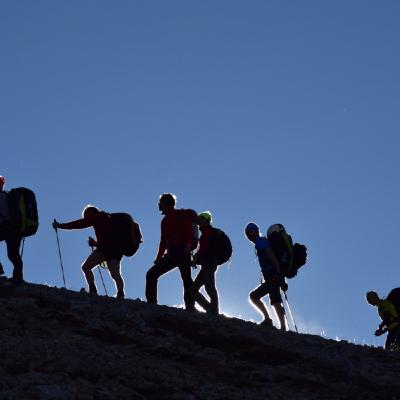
(280, 312)
(96, 258)
(211, 289)
(276, 301)
(13, 245)
(255, 298)
(194, 291)
(114, 266)
(162, 267)
(186, 274)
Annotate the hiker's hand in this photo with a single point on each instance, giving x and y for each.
(157, 260)
(55, 224)
(379, 332)
(188, 249)
(275, 278)
(284, 286)
(92, 242)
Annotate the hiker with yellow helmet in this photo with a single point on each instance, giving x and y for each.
(214, 250)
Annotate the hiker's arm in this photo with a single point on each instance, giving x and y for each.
(78, 224)
(273, 259)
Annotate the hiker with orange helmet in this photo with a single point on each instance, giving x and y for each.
(106, 250)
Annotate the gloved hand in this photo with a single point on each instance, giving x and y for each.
(284, 285)
(55, 224)
(379, 332)
(92, 242)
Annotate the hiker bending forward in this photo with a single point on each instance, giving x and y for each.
(273, 279)
(176, 243)
(106, 249)
(390, 320)
(207, 259)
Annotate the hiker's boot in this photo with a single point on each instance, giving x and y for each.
(120, 294)
(92, 289)
(267, 322)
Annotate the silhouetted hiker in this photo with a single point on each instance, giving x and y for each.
(106, 248)
(215, 249)
(178, 240)
(390, 319)
(273, 280)
(10, 232)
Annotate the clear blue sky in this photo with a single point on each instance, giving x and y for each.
(269, 111)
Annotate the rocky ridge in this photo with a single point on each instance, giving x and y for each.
(59, 344)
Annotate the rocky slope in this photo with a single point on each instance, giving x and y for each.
(59, 344)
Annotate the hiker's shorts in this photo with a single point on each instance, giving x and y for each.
(272, 289)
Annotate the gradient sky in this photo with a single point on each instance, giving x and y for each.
(265, 111)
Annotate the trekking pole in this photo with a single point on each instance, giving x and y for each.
(290, 312)
(101, 275)
(59, 253)
(22, 247)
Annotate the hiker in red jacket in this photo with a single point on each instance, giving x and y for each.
(176, 245)
(106, 250)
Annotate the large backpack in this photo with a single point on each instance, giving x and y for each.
(188, 219)
(290, 256)
(23, 211)
(126, 233)
(394, 298)
(221, 246)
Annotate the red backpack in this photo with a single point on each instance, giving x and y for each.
(189, 220)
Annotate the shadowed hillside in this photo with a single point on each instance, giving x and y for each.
(59, 344)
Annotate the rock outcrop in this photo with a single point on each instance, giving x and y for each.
(59, 344)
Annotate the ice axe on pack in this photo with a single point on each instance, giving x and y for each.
(55, 224)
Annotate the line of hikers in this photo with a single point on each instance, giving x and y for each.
(117, 234)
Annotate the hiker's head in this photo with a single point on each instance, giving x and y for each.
(204, 218)
(166, 202)
(372, 298)
(89, 210)
(252, 231)
(2, 182)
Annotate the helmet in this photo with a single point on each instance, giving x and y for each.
(275, 228)
(251, 226)
(206, 215)
(2, 181)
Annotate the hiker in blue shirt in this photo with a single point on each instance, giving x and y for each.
(273, 279)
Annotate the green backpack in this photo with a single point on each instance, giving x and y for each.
(23, 211)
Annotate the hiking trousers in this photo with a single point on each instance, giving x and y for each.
(13, 243)
(206, 278)
(114, 267)
(171, 260)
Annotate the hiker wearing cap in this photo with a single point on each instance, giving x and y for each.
(206, 257)
(9, 233)
(106, 250)
(390, 320)
(272, 277)
(178, 239)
